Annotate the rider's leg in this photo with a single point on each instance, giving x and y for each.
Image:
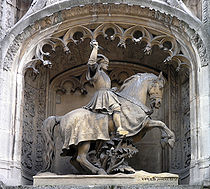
(117, 121)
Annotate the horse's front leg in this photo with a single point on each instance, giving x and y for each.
(159, 124)
(83, 149)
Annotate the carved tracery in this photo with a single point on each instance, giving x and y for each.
(41, 56)
(110, 31)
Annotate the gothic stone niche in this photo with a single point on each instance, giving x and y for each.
(130, 49)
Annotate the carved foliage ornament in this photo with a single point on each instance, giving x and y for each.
(110, 31)
(33, 117)
(201, 49)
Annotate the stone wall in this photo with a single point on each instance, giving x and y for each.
(10, 12)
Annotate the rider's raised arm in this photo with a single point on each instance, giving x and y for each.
(93, 56)
(92, 62)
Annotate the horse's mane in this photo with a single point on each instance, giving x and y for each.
(132, 85)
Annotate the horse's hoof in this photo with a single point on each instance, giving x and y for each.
(171, 142)
(102, 172)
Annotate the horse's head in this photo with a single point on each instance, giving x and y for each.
(155, 91)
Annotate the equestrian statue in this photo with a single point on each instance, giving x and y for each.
(101, 135)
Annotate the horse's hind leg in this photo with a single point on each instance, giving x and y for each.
(163, 127)
(77, 166)
(83, 149)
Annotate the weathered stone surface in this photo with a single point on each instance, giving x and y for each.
(140, 177)
(10, 12)
(136, 186)
(195, 6)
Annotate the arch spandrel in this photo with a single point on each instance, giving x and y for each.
(41, 4)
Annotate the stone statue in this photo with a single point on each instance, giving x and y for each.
(113, 121)
(104, 100)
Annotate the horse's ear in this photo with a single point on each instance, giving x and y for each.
(160, 77)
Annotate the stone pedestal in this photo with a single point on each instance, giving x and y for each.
(140, 177)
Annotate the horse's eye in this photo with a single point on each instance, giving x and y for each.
(160, 86)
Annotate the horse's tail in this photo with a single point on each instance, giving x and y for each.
(48, 135)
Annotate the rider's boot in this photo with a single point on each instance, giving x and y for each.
(117, 122)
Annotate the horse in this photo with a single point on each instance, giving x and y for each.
(80, 127)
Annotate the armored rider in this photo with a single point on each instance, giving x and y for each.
(104, 100)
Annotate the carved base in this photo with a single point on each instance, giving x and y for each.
(140, 177)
